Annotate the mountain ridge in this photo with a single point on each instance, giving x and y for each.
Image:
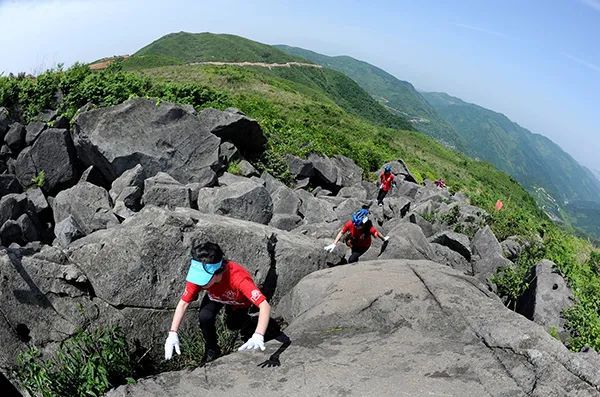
(397, 95)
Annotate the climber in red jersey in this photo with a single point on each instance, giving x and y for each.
(228, 284)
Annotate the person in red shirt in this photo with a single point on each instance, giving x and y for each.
(359, 231)
(228, 284)
(386, 181)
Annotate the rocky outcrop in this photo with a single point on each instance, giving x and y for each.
(386, 320)
(233, 126)
(243, 200)
(547, 297)
(88, 204)
(167, 138)
(163, 190)
(53, 154)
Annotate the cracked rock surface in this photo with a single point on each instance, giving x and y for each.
(393, 328)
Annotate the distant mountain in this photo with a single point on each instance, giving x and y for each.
(533, 160)
(397, 95)
(184, 47)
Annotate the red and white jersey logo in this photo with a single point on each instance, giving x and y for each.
(255, 295)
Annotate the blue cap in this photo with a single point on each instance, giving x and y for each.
(201, 273)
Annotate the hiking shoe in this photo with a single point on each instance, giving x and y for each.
(209, 355)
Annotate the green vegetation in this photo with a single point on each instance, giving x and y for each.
(202, 47)
(92, 362)
(26, 96)
(88, 364)
(234, 168)
(39, 179)
(400, 97)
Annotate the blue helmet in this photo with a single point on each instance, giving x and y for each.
(387, 169)
(360, 217)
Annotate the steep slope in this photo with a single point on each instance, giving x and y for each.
(397, 95)
(532, 159)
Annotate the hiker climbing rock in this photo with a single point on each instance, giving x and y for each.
(386, 182)
(359, 231)
(228, 284)
(440, 183)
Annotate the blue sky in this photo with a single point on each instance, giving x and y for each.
(536, 61)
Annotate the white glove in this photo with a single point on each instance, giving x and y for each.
(330, 247)
(256, 342)
(386, 238)
(172, 342)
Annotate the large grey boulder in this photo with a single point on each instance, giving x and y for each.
(33, 131)
(168, 138)
(163, 190)
(399, 206)
(427, 227)
(487, 254)
(385, 320)
(15, 137)
(285, 201)
(408, 189)
(455, 241)
(325, 172)
(349, 174)
(229, 179)
(355, 191)
(67, 231)
(244, 200)
(233, 126)
(12, 206)
(299, 168)
(228, 152)
(448, 257)
(54, 154)
(247, 170)
(315, 210)
(37, 200)
(406, 242)
(9, 184)
(47, 303)
(285, 221)
(132, 183)
(547, 297)
(88, 204)
(346, 208)
(271, 183)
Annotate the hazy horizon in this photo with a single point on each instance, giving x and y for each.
(537, 63)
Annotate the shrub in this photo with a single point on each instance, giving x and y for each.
(87, 364)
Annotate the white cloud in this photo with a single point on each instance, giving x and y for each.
(482, 30)
(582, 62)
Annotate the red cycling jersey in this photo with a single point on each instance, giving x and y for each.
(236, 288)
(386, 181)
(360, 239)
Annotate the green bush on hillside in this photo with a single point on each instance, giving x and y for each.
(26, 96)
(88, 364)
